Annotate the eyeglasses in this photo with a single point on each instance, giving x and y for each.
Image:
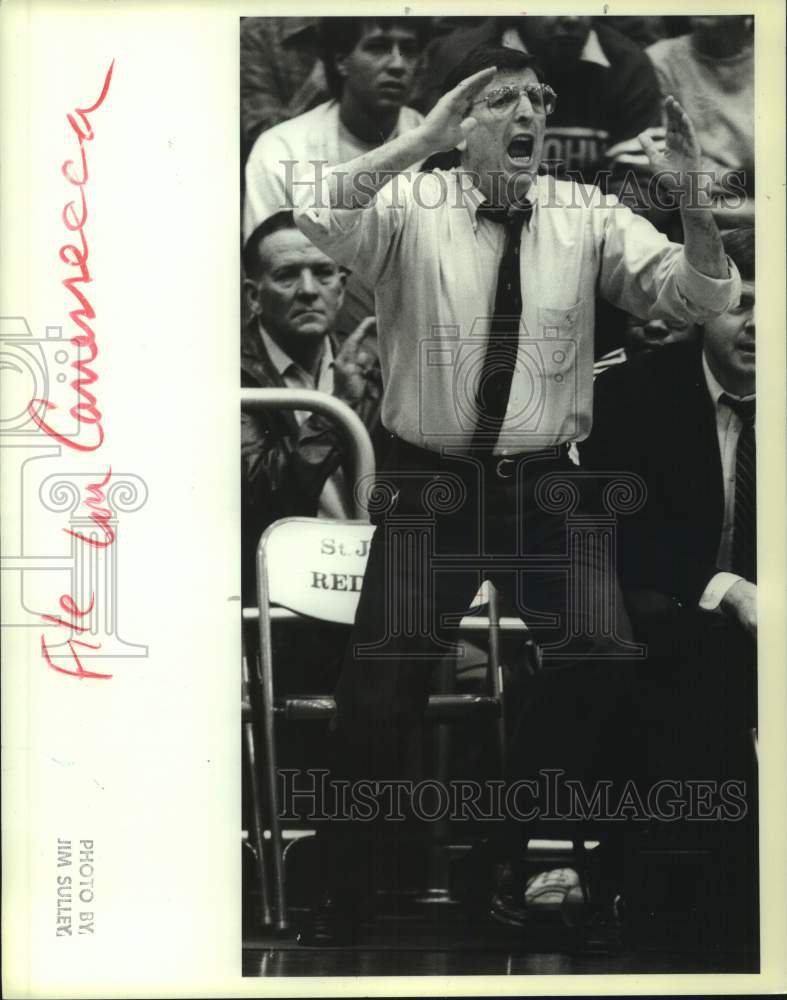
(503, 99)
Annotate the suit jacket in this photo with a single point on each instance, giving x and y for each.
(654, 416)
(284, 465)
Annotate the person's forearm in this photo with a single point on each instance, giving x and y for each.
(354, 184)
(702, 242)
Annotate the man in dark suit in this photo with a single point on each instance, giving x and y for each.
(683, 419)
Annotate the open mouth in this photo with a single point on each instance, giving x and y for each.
(520, 149)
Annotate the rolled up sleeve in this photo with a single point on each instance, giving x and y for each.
(713, 296)
(644, 273)
(361, 239)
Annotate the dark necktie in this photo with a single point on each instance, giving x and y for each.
(744, 520)
(497, 371)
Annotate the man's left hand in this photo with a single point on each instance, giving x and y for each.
(353, 364)
(681, 156)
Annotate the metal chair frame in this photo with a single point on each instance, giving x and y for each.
(441, 707)
(445, 707)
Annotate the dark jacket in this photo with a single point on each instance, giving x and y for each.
(284, 466)
(654, 416)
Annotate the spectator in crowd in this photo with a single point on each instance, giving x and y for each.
(643, 31)
(607, 91)
(642, 336)
(293, 462)
(683, 419)
(369, 66)
(458, 272)
(711, 72)
(281, 74)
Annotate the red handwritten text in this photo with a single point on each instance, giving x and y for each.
(100, 516)
(85, 410)
(68, 605)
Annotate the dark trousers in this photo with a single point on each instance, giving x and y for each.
(444, 525)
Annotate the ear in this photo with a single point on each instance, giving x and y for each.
(251, 290)
(341, 66)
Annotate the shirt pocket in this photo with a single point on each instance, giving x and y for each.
(563, 320)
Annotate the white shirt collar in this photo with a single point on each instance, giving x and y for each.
(473, 199)
(591, 51)
(714, 388)
(282, 362)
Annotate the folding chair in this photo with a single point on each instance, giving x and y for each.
(362, 457)
(313, 568)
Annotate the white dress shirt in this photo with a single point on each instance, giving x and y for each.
(434, 266)
(728, 429)
(315, 135)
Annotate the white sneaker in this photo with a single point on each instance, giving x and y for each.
(548, 891)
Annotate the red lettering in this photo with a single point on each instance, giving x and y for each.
(78, 259)
(44, 426)
(65, 169)
(80, 672)
(100, 516)
(84, 129)
(68, 605)
(75, 224)
(59, 621)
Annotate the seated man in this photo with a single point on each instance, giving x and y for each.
(683, 419)
(370, 67)
(294, 462)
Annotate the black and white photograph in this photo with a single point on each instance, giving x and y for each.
(498, 481)
(392, 499)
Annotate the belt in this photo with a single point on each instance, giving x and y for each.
(500, 468)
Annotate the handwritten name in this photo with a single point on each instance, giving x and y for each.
(85, 410)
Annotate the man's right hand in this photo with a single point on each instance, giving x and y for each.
(740, 603)
(447, 124)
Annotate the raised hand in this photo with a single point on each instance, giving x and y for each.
(447, 123)
(680, 156)
(354, 365)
